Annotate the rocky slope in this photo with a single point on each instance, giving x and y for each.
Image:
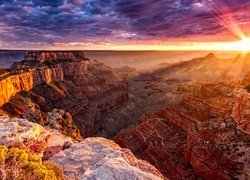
(206, 135)
(99, 158)
(62, 80)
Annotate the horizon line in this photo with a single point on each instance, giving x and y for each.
(118, 50)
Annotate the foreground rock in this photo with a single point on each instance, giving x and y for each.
(99, 158)
(21, 133)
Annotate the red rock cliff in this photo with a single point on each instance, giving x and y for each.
(206, 135)
(25, 80)
(84, 88)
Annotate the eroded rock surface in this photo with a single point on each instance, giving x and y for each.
(58, 142)
(17, 132)
(99, 158)
(206, 135)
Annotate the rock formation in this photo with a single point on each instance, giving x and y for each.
(206, 135)
(99, 158)
(52, 56)
(21, 133)
(67, 81)
(62, 121)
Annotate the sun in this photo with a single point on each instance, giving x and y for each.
(244, 45)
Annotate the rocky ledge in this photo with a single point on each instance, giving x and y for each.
(99, 158)
(93, 158)
(21, 133)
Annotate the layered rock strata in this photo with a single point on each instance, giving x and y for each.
(51, 56)
(206, 135)
(68, 81)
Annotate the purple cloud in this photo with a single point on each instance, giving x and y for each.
(107, 21)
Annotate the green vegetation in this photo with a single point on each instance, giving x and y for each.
(16, 164)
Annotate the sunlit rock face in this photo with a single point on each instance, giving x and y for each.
(206, 135)
(17, 132)
(67, 81)
(99, 158)
(25, 75)
(13, 84)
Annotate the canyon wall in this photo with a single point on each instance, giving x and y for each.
(26, 79)
(206, 135)
(49, 56)
(68, 81)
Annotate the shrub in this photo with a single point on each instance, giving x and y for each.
(17, 164)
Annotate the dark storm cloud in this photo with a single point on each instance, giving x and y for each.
(64, 21)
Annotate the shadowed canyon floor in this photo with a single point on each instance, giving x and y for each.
(189, 119)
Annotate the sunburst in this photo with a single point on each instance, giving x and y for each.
(244, 44)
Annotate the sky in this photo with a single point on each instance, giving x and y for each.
(124, 24)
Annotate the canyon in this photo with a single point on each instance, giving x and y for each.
(204, 131)
(189, 119)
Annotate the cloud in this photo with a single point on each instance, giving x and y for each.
(107, 21)
(51, 3)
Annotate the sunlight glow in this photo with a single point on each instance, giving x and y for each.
(245, 44)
